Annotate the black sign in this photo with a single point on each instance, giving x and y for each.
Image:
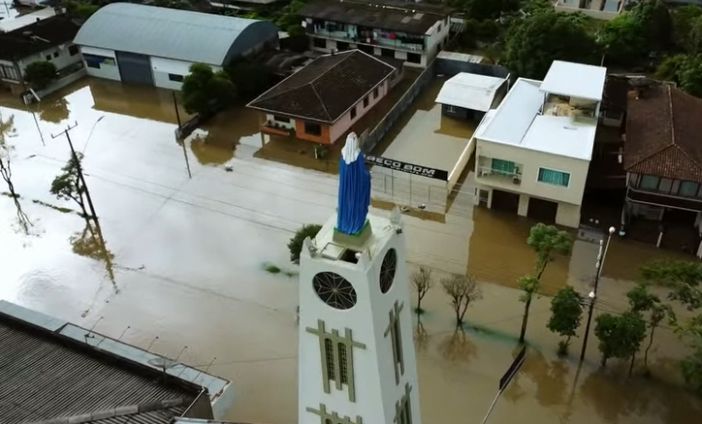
(410, 168)
(516, 364)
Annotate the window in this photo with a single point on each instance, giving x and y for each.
(365, 101)
(393, 330)
(353, 112)
(549, 176)
(688, 188)
(9, 72)
(450, 108)
(281, 119)
(649, 182)
(320, 43)
(439, 30)
(341, 46)
(387, 53)
(95, 61)
(175, 77)
(503, 167)
(73, 50)
(48, 57)
(56, 54)
(375, 92)
(414, 58)
(665, 185)
(336, 355)
(312, 128)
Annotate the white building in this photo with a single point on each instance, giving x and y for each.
(357, 361)
(468, 96)
(533, 152)
(598, 9)
(413, 32)
(156, 46)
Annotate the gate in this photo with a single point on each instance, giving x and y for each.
(135, 68)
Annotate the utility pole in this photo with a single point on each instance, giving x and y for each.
(601, 254)
(79, 168)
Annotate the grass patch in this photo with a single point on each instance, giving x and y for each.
(275, 269)
(271, 268)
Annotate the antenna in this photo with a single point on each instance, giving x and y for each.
(124, 332)
(148, 349)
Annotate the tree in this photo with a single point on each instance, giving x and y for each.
(547, 241)
(685, 70)
(692, 369)
(68, 186)
(295, 243)
(566, 314)
(620, 336)
(485, 9)
(40, 74)
(641, 300)
(6, 127)
(462, 289)
(686, 22)
(533, 43)
(204, 91)
(422, 281)
(81, 9)
(290, 20)
(530, 286)
(250, 78)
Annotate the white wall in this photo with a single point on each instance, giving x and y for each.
(345, 122)
(437, 34)
(108, 71)
(531, 160)
(59, 56)
(161, 67)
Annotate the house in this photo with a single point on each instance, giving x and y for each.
(663, 155)
(57, 372)
(598, 9)
(148, 45)
(469, 96)
(10, 19)
(48, 40)
(323, 100)
(412, 32)
(534, 150)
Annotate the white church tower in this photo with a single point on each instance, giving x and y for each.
(357, 361)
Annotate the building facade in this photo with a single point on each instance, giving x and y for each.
(148, 45)
(413, 32)
(48, 40)
(357, 361)
(533, 152)
(598, 9)
(322, 102)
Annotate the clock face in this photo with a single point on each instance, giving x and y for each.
(334, 290)
(387, 270)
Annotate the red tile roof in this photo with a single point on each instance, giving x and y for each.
(664, 133)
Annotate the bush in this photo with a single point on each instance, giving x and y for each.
(40, 74)
(295, 243)
(204, 91)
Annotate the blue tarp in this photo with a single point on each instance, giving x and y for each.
(354, 195)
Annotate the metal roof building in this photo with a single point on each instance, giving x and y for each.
(157, 45)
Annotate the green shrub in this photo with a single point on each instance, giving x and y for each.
(295, 243)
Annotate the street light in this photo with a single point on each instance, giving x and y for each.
(593, 294)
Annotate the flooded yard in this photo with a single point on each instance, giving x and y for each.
(186, 257)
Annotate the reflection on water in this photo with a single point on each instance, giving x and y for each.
(53, 110)
(90, 243)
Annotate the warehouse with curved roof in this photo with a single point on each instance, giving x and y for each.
(156, 46)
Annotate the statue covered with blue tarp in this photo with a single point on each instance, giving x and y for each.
(354, 188)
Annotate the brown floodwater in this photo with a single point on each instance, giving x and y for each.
(183, 259)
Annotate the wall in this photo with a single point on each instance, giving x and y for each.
(452, 67)
(531, 161)
(161, 67)
(300, 133)
(289, 125)
(106, 70)
(61, 61)
(593, 13)
(253, 38)
(345, 122)
(438, 37)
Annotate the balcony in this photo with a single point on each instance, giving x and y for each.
(347, 37)
(272, 128)
(499, 175)
(664, 200)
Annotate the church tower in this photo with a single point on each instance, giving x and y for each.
(356, 353)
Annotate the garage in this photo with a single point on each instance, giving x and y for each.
(542, 210)
(505, 201)
(135, 68)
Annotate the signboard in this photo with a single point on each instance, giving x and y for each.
(437, 174)
(516, 364)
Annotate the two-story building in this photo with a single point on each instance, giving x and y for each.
(412, 32)
(533, 152)
(663, 155)
(322, 101)
(598, 9)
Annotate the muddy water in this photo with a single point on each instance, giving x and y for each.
(187, 262)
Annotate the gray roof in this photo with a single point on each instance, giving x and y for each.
(171, 33)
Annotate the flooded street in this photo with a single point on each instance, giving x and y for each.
(186, 260)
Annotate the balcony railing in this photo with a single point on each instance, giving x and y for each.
(661, 199)
(343, 36)
(488, 172)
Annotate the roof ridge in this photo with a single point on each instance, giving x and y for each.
(334, 66)
(321, 101)
(672, 129)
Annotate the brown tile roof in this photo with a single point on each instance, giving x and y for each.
(37, 37)
(664, 134)
(326, 88)
(412, 18)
